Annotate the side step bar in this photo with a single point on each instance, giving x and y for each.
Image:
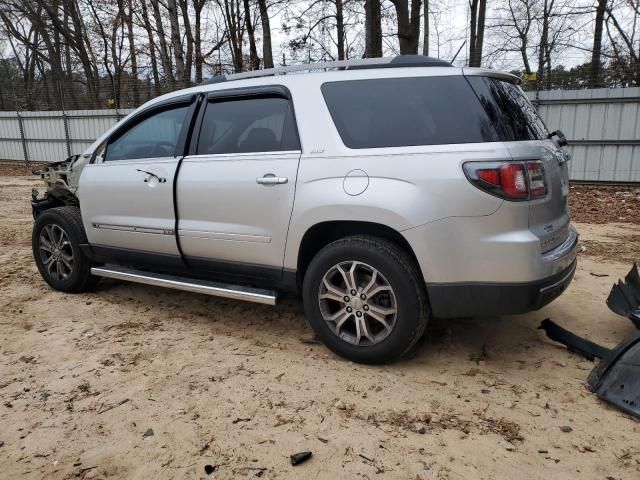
(236, 292)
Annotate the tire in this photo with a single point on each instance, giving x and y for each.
(57, 255)
(401, 299)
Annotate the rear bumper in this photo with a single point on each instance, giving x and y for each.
(493, 299)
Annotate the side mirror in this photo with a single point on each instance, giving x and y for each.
(558, 138)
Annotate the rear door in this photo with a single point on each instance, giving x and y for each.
(126, 195)
(525, 135)
(235, 190)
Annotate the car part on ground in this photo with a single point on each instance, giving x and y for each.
(624, 298)
(573, 342)
(616, 379)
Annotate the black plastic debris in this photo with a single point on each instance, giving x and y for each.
(624, 298)
(209, 469)
(616, 379)
(573, 342)
(298, 458)
(148, 433)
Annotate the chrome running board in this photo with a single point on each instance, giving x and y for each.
(236, 292)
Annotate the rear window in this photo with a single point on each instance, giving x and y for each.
(395, 112)
(509, 111)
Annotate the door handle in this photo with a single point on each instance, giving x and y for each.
(271, 179)
(151, 174)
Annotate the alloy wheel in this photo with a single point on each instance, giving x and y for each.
(358, 303)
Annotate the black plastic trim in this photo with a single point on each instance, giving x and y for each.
(265, 276)
(244, 92)
(182, 148)
(455, 300)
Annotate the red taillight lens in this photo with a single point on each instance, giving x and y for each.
(490, 176)
(512, 181)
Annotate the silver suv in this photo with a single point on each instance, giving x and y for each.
(381, 191)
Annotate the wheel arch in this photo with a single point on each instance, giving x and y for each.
(322, 234)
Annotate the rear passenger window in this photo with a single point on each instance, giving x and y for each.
(395, 112)
(261, 124)
(509, 111)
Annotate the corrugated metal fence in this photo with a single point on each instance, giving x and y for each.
(603, 129)
(53, 135)
(602, 126)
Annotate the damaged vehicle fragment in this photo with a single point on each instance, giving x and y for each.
(624, 298)
(616, 378)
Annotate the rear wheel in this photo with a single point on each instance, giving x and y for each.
(365, 299)
(57, 235)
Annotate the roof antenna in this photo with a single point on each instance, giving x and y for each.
(456, 55)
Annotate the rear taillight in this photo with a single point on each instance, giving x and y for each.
(511, 181)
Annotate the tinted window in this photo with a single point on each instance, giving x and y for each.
(510, 112)
(249, 125)
(153, 137)
(398, 112)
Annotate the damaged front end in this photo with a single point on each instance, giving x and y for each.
(61, 185)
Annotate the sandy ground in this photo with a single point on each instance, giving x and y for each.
(240, 387)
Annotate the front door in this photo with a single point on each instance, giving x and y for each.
(126, 195)
(235, 193)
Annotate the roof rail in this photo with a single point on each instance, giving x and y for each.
(354, 64)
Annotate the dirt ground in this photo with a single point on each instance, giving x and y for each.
(133, 381)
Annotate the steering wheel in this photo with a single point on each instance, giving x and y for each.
(163, 149)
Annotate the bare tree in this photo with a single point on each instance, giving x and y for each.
(596, 53)
(267, 54)
(373, 29)
(408, 18)
(476, 34)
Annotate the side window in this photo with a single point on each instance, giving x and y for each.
(261, 124)
(153, 137)
(398, 112)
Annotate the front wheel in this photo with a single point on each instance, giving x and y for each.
(365, 299)
(57, 235)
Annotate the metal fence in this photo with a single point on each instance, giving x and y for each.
(52, 135)
(603, 128)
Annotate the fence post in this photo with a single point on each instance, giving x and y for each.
(23, 139)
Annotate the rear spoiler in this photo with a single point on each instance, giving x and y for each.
(487, 72)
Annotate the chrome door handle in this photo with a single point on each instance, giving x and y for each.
(271, 179)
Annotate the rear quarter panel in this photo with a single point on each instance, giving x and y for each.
(407, 187)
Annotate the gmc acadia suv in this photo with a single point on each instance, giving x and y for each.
(382, 191)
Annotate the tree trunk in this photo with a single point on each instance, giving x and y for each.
(340, 29)
(254, 61)
(594, 73)
(544, 40)
(408, 25)
(176, 41)
(133, 55)
(373, 29)
(476, 37)
(188, 57)
(152, 46)
(167, 63)
(198, 5)
(267, 53)
(425, 36)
